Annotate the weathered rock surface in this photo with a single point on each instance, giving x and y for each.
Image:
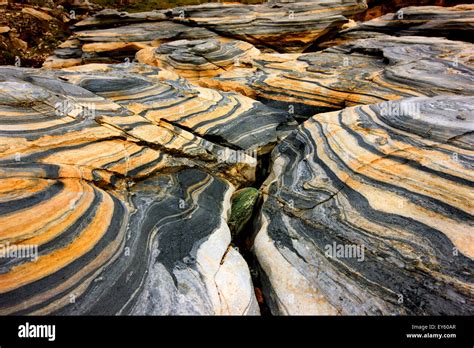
(362, 71)
(112, 36)
(114, 18)
(281, 26)
(370, 211)
(136, 181)
(197, 59)
(119, 44)
(226, 118)
(367, 66)
(160, 248)
(454, 23)
(378, 8)
(123, 196)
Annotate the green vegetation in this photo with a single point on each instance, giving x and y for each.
(243, 204)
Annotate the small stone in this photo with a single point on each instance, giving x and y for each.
(243, 207)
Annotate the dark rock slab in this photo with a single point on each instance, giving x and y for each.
(454, 23)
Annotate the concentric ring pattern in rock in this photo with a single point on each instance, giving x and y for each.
(160, 248)
(197, 59)
(117, 212)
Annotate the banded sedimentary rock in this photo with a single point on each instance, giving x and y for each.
(363, 71)
(454, 23)
(228, 119)
(159, 248)
(66, 129)
(111, 18)
(115, 187)
(112, 36)
(119, 179)
(197, 59)
(117, 44)
(369, 210)
(280, 26)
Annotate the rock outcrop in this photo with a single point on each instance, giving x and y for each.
(121, 194)
(112, 36)
(119, 44)
(281, 26)
(369, 211)
(160, 248)
(135, 184)
(454, 23)
(378, 8)
(363, 71)
(198, 59)
(158, 96)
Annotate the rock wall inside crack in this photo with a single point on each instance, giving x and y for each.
(369, 210)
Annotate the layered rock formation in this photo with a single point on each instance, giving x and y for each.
(112, 36)
(361, 71)
(158, 96)
(364, 59)
(369, 210)
(451, 22)
(198, 59)
(122, 195)
(281, 26)
(378, 8)
(101, 252)
(137, 180)
(119, 44)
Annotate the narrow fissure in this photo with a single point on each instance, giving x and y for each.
(243, 239)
